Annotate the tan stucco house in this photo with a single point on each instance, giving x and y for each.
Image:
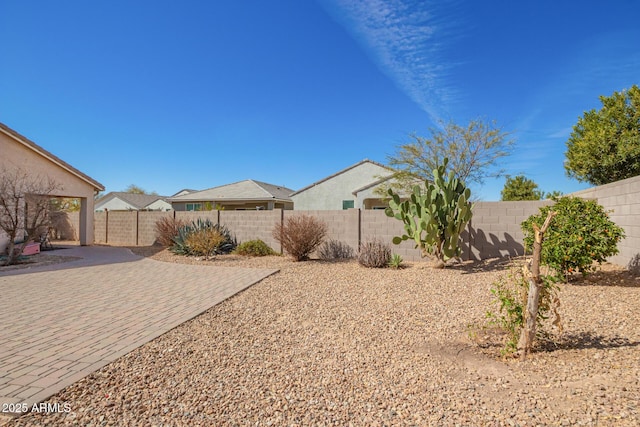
(243, 195)
(19, 153)
(353, 187)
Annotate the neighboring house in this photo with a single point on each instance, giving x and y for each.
(243, 195)
(353, 187)
(183, 192)
(123, 201)
(20, 153)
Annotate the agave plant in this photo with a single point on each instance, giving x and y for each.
(181, 240)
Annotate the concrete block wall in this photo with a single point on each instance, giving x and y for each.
(376, 225)
(494, 229)
(122, 228)
(252, 225)
(73, 219)
(342, 224)
(622, 198)
(100, 227)
(147, 234)
(190, 216)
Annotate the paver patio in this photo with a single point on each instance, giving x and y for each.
(60, 323)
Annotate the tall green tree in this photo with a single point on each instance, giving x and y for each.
(605, 145)
(473, 152)
(520, 188)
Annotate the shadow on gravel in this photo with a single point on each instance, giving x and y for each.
(588, 340)
(484, 266)
(620, 278)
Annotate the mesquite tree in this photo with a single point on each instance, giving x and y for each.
(434, 219)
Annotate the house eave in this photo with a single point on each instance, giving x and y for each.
(49, 156)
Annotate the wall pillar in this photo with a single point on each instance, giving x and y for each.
(86, 221)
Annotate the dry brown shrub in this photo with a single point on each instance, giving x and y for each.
(300, 235)
(166, 229)
(205, 242)
(374, 254)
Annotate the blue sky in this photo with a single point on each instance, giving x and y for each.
(194, 94)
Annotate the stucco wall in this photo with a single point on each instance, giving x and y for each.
(160, 205)
(17, 156)
(329, 194)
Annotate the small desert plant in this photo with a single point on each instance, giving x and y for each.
(374, 254)
(204, 242)
(582, 234)
(396, 261)
(182, 241)
(166, 229)
(254, 248)
(510, 292)
(335, 249)
(300, 235)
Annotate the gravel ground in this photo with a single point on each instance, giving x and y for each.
(338, 344)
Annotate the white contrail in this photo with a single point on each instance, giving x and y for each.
(405, 39)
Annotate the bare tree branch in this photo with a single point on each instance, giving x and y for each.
(24, 207)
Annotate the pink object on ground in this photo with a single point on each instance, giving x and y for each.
(31, 249)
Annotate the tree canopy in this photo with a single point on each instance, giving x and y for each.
(605, 145)
(135, 189)
(473, 152)
(520, 188)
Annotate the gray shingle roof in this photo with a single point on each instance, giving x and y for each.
(243, 190)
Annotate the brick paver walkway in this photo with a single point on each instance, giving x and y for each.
(58, 326)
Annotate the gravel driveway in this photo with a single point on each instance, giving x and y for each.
(338, 344)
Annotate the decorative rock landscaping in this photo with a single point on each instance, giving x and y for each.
(338, 344)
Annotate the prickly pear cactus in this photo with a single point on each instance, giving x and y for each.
(434, 218)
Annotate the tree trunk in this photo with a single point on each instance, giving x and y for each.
(528, 333)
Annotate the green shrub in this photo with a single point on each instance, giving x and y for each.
(254, 248)
(300, 235)
(183, 240)
(335, 249)
(581, 234)
(374, 254)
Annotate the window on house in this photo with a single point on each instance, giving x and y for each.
(347, 204)
(194, 206)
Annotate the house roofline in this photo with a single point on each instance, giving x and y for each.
(339, 173)
(373, 184)
(49, 156)
(225, 200)
(191, 197)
